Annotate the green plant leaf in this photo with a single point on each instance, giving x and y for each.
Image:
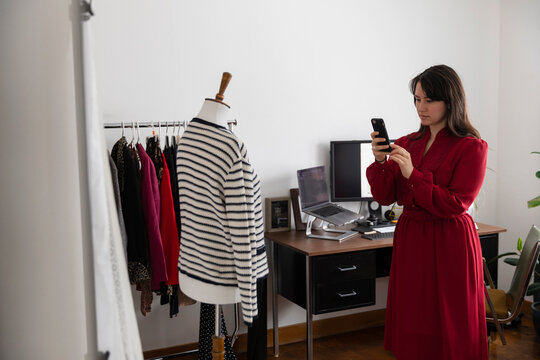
(511, 261)
(535, 152)
(538, 174)
(500, 256)
(519, 244)
(533, 289)
(533, 202)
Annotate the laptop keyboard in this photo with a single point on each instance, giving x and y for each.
(327, 211)
(378, 235)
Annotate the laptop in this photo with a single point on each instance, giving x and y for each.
(315, 198)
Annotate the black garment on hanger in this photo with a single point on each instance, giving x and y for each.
(256, 343)
(207, 328)
(154, 152)
(130, 194)
(170, 157)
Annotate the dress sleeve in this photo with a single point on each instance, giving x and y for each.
(465, 184)
(240, 215)
(383, 180)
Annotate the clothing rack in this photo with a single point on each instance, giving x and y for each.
(146, 124)
(179, 124)
(151, 124)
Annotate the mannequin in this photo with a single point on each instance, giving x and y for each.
(215, 112)
(222, 251)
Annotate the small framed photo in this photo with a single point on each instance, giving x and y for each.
(277, 214)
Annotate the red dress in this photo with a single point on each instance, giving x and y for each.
(435, 305)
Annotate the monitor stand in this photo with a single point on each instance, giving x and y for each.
(344, 234)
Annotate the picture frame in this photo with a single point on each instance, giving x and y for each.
(298, 223)
(277, 214)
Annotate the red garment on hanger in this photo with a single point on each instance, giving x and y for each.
(151, 210)
(168, 228)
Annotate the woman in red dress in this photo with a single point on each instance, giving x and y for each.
(435, 306)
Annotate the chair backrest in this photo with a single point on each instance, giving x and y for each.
(525, 268)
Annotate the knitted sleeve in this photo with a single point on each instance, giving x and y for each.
(240, 209)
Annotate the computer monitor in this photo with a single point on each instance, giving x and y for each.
(348, 163)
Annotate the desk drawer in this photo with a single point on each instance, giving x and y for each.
(343, 295)
(344, 267)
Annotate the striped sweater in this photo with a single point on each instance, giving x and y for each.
(222, 232)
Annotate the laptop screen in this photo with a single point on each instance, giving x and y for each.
(312, 186)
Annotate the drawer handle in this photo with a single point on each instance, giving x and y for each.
(347, 294)
(343, 269)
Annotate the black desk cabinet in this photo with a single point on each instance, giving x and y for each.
(340, 281)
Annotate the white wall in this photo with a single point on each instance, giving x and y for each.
(42, 309)
(304, 73)
(519, 124)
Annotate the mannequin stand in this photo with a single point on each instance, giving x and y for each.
(218, 340)
(345, 234)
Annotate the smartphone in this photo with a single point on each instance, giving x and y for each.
(378, 125)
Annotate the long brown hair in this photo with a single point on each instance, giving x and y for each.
(442, 83)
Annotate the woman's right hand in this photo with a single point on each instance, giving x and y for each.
(380, 156)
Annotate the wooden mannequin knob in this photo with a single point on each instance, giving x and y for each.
(224, 83)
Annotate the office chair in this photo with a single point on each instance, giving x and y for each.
(503, 307)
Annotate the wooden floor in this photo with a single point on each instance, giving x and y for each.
(522, 344)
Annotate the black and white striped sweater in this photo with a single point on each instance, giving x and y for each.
(222, 236)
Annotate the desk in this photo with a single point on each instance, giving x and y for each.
(324, 275)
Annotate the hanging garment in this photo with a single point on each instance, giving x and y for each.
(151, 210)
(116, 326)
(257, 334)
(170, 240)
(222, 251)
(207, 328)
(132, 211)
(435, 305)
(118, 202)
(154, 152)
(169, 232)
(170, 158)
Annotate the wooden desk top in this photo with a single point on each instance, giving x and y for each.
(298, 241)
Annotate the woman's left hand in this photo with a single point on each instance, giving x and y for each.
(403, 159)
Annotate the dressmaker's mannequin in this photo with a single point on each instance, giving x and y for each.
(215, 112)
(222, 251)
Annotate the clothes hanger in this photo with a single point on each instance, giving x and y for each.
(166, 134)
(180, 126)
(158, 136)
(132, 133)
(123, 128)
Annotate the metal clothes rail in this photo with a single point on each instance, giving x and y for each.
(179, 124)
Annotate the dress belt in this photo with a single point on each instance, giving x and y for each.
(420, 214)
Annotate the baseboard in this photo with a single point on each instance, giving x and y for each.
(177, 349)
(295, 333)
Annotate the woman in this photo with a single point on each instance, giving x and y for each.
(435, 305)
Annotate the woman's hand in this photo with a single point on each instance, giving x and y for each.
(380, 156)
(403, 159)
